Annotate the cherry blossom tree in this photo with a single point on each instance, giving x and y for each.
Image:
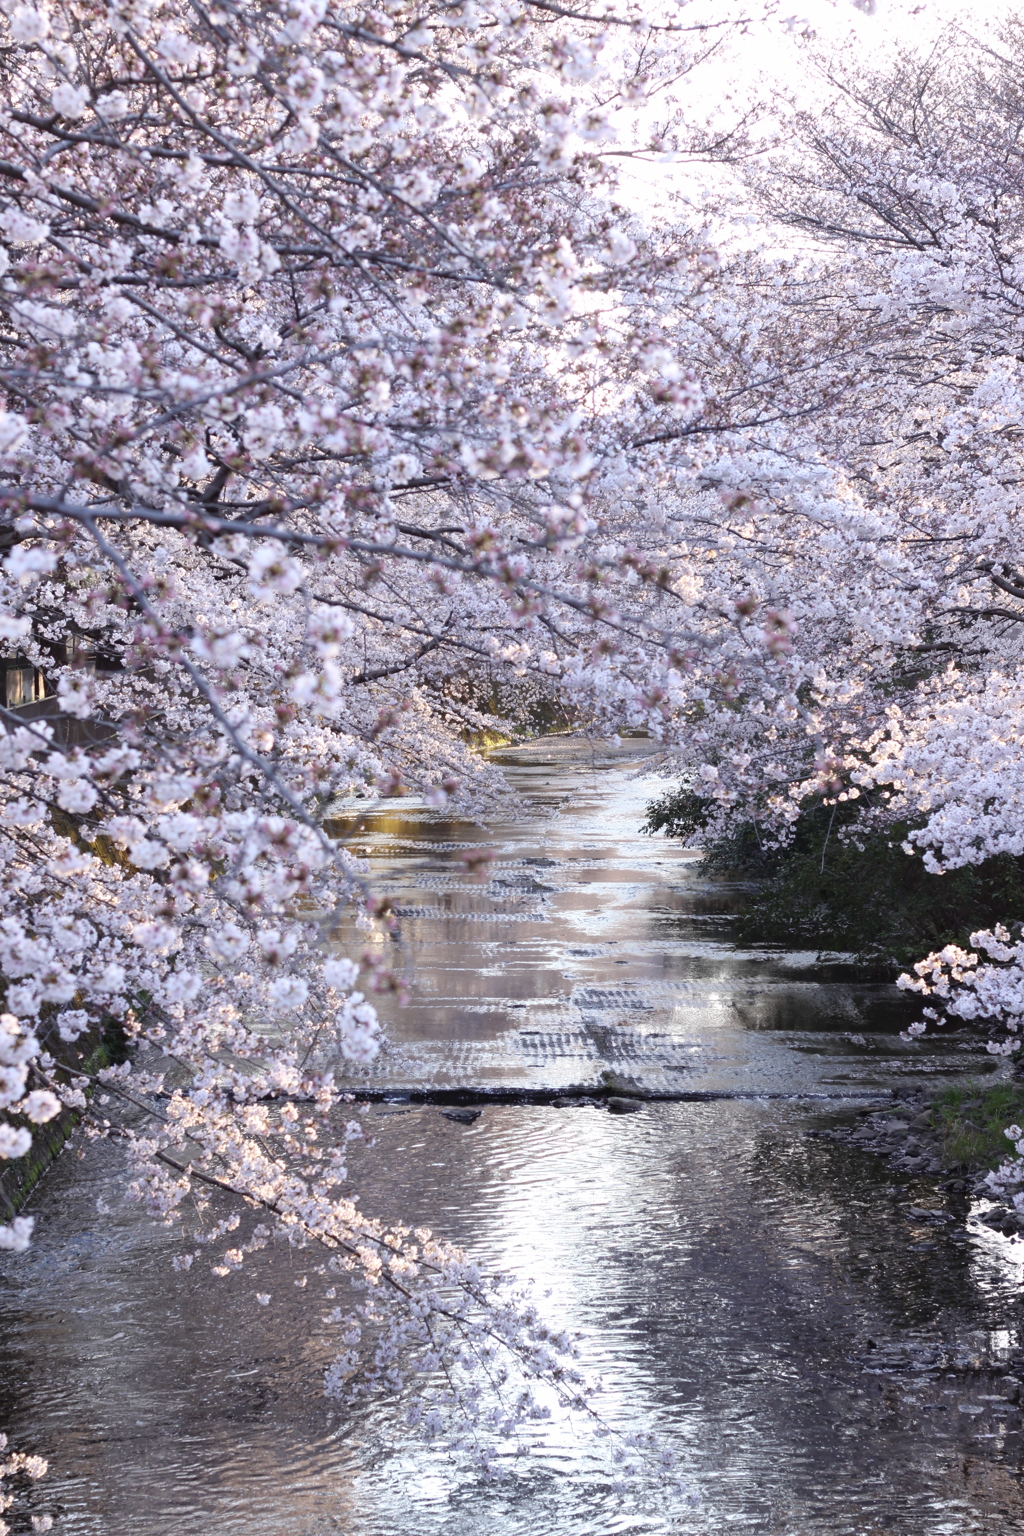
(327, 352)
(868, 527)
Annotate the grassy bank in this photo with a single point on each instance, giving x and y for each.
(970, 1119)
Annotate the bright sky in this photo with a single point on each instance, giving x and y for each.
(841, 21)
(769, 54)
(772, 48)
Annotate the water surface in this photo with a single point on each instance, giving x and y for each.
(823, 1360)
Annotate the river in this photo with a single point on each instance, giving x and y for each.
(822, 1359)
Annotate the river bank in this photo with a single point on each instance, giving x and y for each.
(20, 1175)
(956, 1138)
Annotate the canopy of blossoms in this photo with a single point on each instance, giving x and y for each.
(309, 312)
(348, 413)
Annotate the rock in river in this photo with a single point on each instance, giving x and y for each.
(618, 1106)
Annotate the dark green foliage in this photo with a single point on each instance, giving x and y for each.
(683, 814)
(829, 892)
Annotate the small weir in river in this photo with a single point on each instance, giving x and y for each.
(824, 1359)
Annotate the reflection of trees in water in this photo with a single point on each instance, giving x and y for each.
(847, 1206)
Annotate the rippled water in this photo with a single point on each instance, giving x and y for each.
(823, 1361)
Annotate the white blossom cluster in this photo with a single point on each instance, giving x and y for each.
(20, 1470)
(992, 991)
(988, 992)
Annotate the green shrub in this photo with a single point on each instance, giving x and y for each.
(839, 887)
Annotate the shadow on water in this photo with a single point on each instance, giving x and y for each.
(825, 1344)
